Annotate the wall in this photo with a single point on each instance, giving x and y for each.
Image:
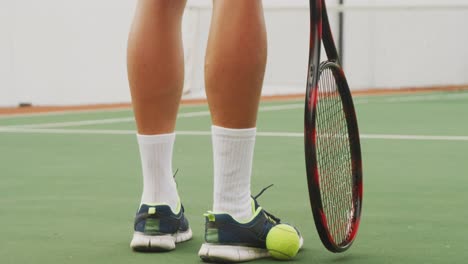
(407, 48)
(7, 91)
(64, 52)
(383, 48)
(56, 52)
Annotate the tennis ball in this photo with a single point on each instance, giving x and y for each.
(283, 242)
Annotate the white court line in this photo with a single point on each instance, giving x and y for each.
(430, 97)
(65, 112)
(78, 123)
(65, 131)
(411, 98)
(99, 121)
(359, 99)
(415, 137)
(208, 133)
(131, 119)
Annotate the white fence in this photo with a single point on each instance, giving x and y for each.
(61, 52)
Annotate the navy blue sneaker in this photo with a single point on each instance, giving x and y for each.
(228, 240)
(158, 228)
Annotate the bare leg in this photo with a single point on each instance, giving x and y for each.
(155, 64)
(235, 62)
(234, 71)
(156, 74)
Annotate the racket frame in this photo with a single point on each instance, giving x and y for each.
(321, 31)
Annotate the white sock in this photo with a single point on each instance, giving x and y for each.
(159, 186)
(232, 156)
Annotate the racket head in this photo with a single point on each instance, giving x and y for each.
(333, 158)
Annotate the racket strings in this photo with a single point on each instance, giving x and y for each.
(334, 158)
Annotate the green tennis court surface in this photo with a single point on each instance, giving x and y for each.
(70, 183)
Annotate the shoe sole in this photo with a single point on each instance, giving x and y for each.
(226, 253)
(145, 243)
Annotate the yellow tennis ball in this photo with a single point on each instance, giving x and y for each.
(283, 242)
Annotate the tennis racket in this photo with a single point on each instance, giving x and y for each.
(332, 147)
